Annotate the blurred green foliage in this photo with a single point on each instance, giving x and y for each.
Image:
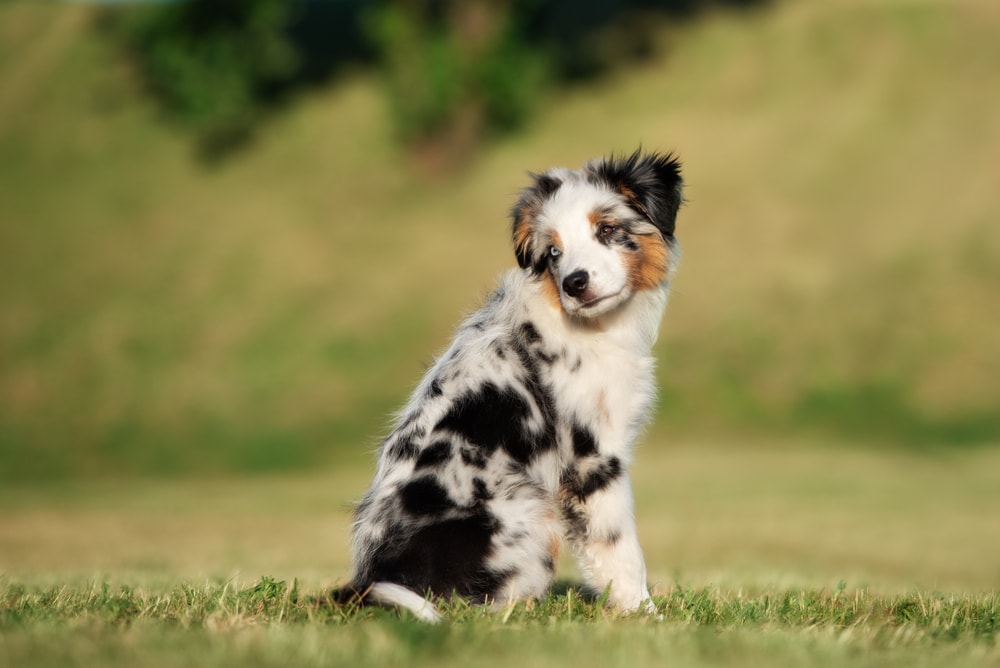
(464, 68)
(212, 63)
(455, 71)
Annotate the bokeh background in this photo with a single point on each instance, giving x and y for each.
(233, 234)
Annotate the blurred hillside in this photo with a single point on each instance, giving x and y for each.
(841, 244)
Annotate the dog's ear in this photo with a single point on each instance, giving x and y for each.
(651, 183)
(524, 216)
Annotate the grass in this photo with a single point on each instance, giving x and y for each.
(758, 555)
(275, 623)
(729, 514)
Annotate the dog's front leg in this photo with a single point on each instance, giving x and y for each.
(597, 509)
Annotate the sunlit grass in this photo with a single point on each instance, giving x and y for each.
(277, 623)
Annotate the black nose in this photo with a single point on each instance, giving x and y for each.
(575, 283)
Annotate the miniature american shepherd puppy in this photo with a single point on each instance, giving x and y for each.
(521, 433)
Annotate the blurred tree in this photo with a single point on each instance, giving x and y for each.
(588, 37)
(212, 63)
(456, 71)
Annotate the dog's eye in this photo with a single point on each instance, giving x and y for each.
(605, 231)
(554, 251)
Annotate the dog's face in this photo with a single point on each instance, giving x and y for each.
(599, 235)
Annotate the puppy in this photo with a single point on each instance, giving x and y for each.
(521, 433)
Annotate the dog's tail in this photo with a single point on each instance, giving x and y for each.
(390, 595)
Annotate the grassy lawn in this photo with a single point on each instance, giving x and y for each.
(771, 555)
(275, 624)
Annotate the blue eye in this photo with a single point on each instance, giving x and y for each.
(554, 251)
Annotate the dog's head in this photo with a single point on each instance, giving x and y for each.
(601, 234)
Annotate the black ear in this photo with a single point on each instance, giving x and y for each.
(651, 183)
(524, 214)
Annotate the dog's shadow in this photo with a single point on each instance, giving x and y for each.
(561, 588)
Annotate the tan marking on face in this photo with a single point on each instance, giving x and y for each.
(550, 282)
(597, 219)
(631, 197)
(555, 239)
(550, 290)
(648, 266)
(522, 234)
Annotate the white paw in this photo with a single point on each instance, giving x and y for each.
(642, 604)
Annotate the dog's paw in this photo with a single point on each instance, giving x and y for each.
(652, 610)
(640, 605)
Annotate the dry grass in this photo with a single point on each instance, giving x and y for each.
(740, 517)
